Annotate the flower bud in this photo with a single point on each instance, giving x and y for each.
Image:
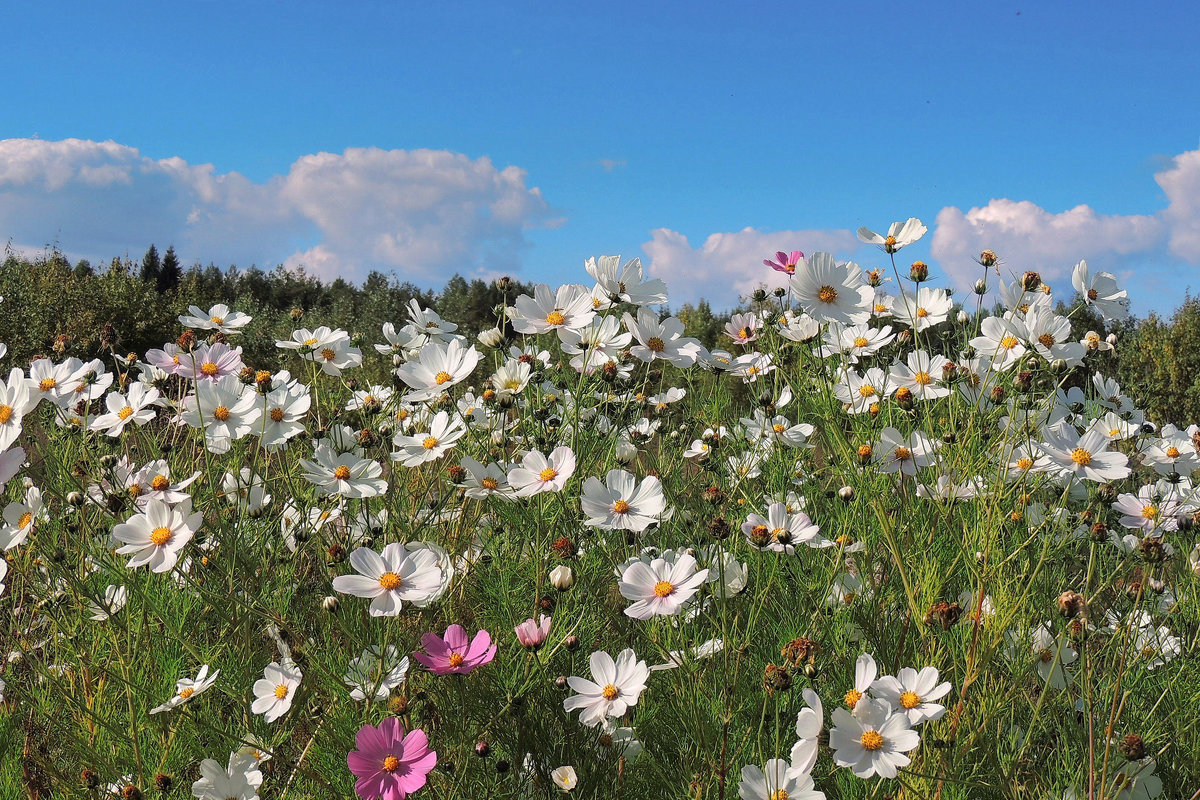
(846, 493)
(492, 337)
(919, 271)
(562, 578)
(1072, 604)
(981, 287)
(625, 452)
(962, 317)
(331, 603)
(1111, 339)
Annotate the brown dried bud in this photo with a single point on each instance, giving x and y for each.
(89, 778)
(1132, 747)
(369, 438)
(713, 495)
(163, 782)
(719, 528)
(131, 792)
(797, 651)
(296, 314)
(457, 473)
(186, 340)
(1031, 281)
(60, 343)
(988, 258)
(776, 679)
(1098, 532)
(563, 547)
(944, 614)
(1072, 604)
(1152, 550)
(246, 376)
(335, 554)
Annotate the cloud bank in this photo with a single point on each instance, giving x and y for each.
(422, 213)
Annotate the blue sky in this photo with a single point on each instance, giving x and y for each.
(694, 120)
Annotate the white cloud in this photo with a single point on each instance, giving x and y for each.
(1181, 184)
(422, 213)
(730, 264)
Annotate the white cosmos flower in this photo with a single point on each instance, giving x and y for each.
(661, 340)
(537, 473)
(905, 454)
(15, 403)
(1001, 340)
(1146, 512)
(1084, 456)
(369, 676)
(187, 688)
(437, 368)
(155, 536)
(21, 518)
(392, 578)
(136, 406)
(224, 408)
(921, 375)
(617, 686)
(872, 740)
(913, 693)
(239, 781)
(564, 778)
(621, 503)
(569, 307)
(430, 445)
(781, 531)
(831, 292)
(625, 284)
(900, 234)
(810, 722)
(114, 600)
(776, 780)
(1100, 291)
(483, 481)
(276, 689)
(855, 341)
(217, 318)
(924, 309)
(343, 474)
(660, 588)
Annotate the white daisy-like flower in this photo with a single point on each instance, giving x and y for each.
(343, 474)
(913, 693)
(855, 341)
(831, 292)
(538, 473)
(423, 447)
(810, 722)
(781, 531)
(776, 780)
(217, 318)
(923, 309)
(1100, 291)
(15, 402)
(21, 518)
(392, 578)
(155, 536)
(187, 688)
(564, 778)
(276, 689)
(865, 671)
(1146, 512)
(224, 408)
(872, 740)
(239, 781)
(617, 686)
(114, 600)
(661, 340)
(905, 454)
(900, 234)
(568, 307)
(1084, 456)
(437, 368)
(483, 481)
(135, 406)
(621, 503)
(660, 587)
(627, 284)
(370, 676)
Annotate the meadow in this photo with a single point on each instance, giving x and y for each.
(878, 541)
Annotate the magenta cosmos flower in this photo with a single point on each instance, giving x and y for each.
(786, 261)
(532, 634)
(389, 764)
(452, 653)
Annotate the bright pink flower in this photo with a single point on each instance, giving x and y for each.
(531, 634)
(453, 653)
(389, 764)
(786, 261)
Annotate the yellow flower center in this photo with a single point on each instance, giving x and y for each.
(1008, 342)
(135, 490)
(160, 483)
(456, 659)
(126, 412)
(621, 507)
(429, 443)
(866, 390)
(880, 308)
(442, 377)
(1081, 457)
(1172, 452)
(1045, 656)
(910, 700)
(889, 242)
(656, 344)
(610, 692)
(160, 536)
(871, 740)
(342, 473)
(218, 320)
(186, 693)
(778, 794)
(491, 484)
(47, 384)
(922, 313)
(663, 588)
(852, 697)
(827, 294)
(922, 379)
(861, 341)
(864, 451)
(309, 342)
(281, 691)
(1046, 340)
(1024, 463)
(24, 521)
(329, 354)
(6, 413)
(548, 474)
(391, 764)
(778, 428)
(221, 413)
(209, 368)
(903, 454)
(389, 581)
(555, 318)
(276, 415)
(744, 333)
(1150, 512)
(1092, 294)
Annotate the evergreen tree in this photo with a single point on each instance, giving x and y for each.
(171, 272)
(151, 266)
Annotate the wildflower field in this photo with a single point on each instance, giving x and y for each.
(582, 553)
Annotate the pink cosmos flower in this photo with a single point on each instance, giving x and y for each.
(786, 261)
(532, 634)
(389, 764)
(452, 653)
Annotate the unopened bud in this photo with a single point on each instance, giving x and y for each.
(562, 578)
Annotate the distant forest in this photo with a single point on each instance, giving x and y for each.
(55, 308)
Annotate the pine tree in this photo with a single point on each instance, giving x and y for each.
(151, 266)
(170, 273)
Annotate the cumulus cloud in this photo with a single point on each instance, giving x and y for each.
(421, 213)
(730, 264)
